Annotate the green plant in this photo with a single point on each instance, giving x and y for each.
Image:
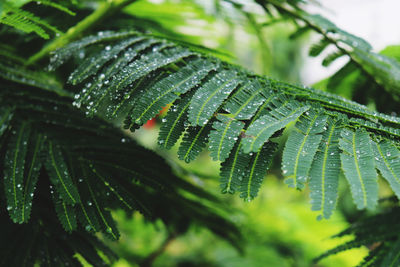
(123, 76)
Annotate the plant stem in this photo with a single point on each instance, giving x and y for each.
(105, 9)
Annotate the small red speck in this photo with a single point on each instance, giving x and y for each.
(150, 123)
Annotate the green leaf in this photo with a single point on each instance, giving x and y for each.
(106, 221)
(33, 164)
(256, 170)
(116, 190)
(359, 167)
(66, 214)
(324, 172)
(169, 89)
(25, 21)
(224, 136)
(234, 169)
(301, 147)
(118, 86)
(14, 168)
(387, 160)
(86, 212)
(146, 64)
(92, 64)
(174, 122)
(249, 97)
(210, 96)
(91, 94)
(75, 48)
(194, 141)
(59, 174)
(263, 128)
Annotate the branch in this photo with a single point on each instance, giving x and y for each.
(384, 71)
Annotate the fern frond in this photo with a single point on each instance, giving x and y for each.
(14, 168)
(256, 170)
(243, 104)
(263, 128)
(236, 113)
(224, 136)
(301, 147)
(359, 167)
(233, 170)
(31, 173)
(59, 174)
(387, 159)
(103, 217)
(325, 170)
(211, 95)
(66, 214)
(169, 89)
(26, 21)
(106, 221)
(174, 122)
(194, 141)
(77, 48)
(93, 63)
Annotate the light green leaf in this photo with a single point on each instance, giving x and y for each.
(169, 89)
(244, 103)
(210, 96)
(387, 160)
(324, 172)
(301, 147)
(224, 136)
(174, 122)
(194, 141)
(93, 63)
(234, 169)
(258, 166)
(263, 128)
(359, 167)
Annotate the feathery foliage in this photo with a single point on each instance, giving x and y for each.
(59, 144)
(13, 14)
(238, 112)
